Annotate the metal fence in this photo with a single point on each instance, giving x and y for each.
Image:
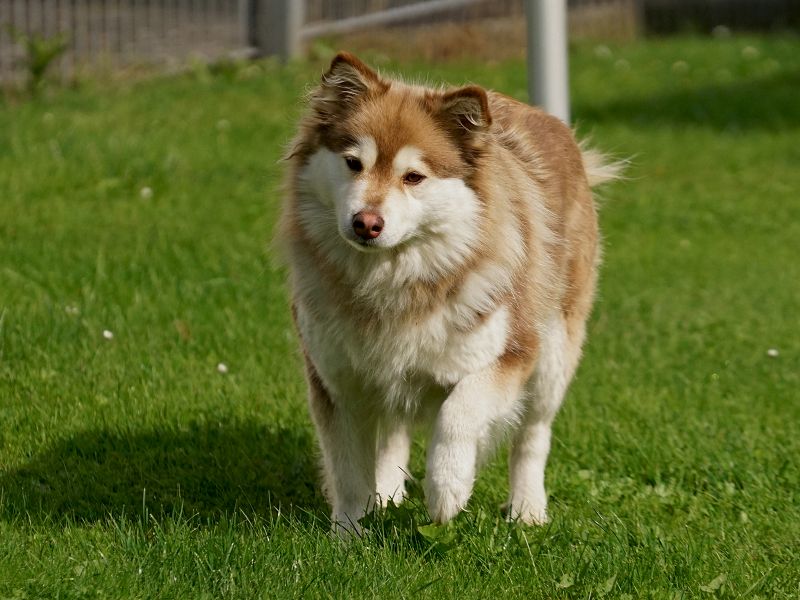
(114, 34)
(110, 34)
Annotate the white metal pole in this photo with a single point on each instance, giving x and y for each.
(295, 19)
(548, 70)
(276, 27)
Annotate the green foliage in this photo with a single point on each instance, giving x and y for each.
(40, 53)
(131, 466)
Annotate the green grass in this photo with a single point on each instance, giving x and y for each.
(131, 467)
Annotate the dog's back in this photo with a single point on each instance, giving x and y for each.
(555, 162)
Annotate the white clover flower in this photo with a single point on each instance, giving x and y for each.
(146, 193)
(773, 352)
(109, 335)
(72, 310)
(721, 31)
(680, 67)
(750, 52)
(602, 51)
(222, 368)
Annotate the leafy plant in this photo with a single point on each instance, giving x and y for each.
(40, 53)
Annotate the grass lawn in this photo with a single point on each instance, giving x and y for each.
(134, 222)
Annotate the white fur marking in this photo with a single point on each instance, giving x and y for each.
(474, 350)
(408, 158)
(367, 151)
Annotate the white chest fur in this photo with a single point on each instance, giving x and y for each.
(401, 362)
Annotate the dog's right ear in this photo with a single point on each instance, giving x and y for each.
(347, 81)
(350, 77)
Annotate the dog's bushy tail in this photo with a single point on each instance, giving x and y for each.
(599, 167)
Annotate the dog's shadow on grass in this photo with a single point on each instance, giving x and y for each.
(208, 470)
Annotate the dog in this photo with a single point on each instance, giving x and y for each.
(442, 248)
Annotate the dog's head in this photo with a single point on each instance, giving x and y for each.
(393, 162)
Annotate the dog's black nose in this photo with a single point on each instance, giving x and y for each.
(367, 225)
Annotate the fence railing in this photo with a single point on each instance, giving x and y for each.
(110, 34)
(118, 33)
(399, 13)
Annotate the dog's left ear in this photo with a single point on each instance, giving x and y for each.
(466, 108)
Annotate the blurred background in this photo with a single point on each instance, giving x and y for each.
(73, 37)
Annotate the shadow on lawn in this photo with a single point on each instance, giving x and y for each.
(209, 470)
(764, 103)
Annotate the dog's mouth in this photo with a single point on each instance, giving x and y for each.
(375, 245)
(364, 245)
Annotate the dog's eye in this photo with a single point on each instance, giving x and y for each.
(353, 164)
(413, 178)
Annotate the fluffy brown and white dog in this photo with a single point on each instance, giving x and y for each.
(443, 251)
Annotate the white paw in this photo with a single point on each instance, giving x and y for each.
(396, 497)
(529, 513)
(449, 480)
(446, 499)
(346, 532)
(344, 523)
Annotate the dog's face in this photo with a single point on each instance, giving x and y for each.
(392, 162)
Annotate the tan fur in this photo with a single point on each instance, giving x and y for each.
(535, 251)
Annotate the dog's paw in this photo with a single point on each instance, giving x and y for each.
(449, 480)
(528, 513)
(345, 524)
(446, 499)
(397, 497)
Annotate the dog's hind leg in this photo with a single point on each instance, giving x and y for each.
(559, 354)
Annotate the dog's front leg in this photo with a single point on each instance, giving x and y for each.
(391, 470)
(463, 426)
(348, 455)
